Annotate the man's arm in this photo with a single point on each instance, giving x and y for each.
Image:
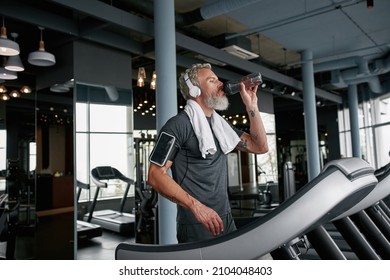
(256, 141)
(159, 179)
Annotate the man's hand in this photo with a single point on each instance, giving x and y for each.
(248, 95)
(208, 217)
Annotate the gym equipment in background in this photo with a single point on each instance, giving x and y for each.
(86, 230)
(114, 220)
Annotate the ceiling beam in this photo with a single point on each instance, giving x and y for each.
(126, 20)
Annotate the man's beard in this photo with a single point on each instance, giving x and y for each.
(219, 103)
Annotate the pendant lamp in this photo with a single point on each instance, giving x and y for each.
(41, 57)
(7, 46)
(4, 97)
(25, 89)
(153, 81)
(14, 94)
(14, 63)
(6, 74)
(3, 89)
(141, 77)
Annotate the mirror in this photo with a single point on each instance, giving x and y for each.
(37, 174)
(104, 137)
(54, 171)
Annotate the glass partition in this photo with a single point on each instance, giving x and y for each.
(36, 163)
(104, 137)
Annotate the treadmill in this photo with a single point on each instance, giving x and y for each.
(335, 190)
(86, 230)
(117, 221)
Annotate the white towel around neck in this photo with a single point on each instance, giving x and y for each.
(227, 137)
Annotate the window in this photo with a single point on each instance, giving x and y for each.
(104, 138)
(374, 129)
(268, 163)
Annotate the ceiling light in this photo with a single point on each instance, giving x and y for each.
(25, 89)
(3, 89)
(7, 75)
(141, 77)
(14, 94)
(41, 57)
(69, 83)
(4, 96)
(14, 63)
(7, 46)
(59, 88)
(153, 81)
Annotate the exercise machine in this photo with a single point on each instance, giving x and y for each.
(364, 227)
(114, 220)
(9, 212)
(86, 230)
(335, 190)
(145, 196)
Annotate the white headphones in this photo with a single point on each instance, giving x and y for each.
(194, 90)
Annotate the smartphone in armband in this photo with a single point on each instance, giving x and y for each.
(161, 151)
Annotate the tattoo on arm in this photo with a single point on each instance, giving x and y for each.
(243, 144)
(255, 136)
(252, 113)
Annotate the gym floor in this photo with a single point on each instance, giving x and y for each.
(52, 239)
(102, 247)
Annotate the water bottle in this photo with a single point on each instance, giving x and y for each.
(232, 87)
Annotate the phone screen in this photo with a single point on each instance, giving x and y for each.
(162, 149)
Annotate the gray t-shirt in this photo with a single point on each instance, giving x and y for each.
(203, 178)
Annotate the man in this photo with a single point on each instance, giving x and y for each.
(200, 140)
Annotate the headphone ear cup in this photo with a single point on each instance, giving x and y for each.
(194, 90)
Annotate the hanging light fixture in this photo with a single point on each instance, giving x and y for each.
(6, 74)
(4, 97)
(41, 57)
(25, 89)
(7, 46)
(3, 93)
(14, 94)
(153, 81)
(3, 89)
(14, 63)
(141, 77)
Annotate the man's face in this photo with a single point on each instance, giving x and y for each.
(212, 90)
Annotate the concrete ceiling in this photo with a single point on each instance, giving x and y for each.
(344, 36)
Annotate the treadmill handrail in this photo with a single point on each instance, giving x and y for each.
(380, 191)
(82, 185)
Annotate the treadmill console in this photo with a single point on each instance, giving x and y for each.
(105, 172)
